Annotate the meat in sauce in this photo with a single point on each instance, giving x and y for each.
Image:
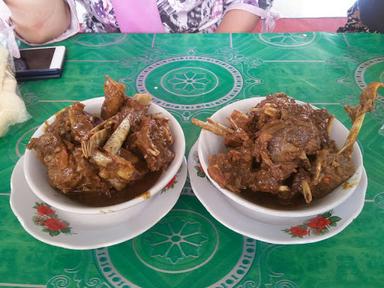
(282, 150)
(106, 161)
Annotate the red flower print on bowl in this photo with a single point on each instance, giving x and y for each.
(54, 224)
(317, 225)
(298, 231)
(170, 184)
(43, 209)
(199, 169)
(46, 217)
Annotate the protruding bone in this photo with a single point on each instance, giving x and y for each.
(357, 113)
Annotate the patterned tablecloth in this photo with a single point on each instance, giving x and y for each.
(327, 70)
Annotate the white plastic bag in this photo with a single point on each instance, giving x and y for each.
(12, 107)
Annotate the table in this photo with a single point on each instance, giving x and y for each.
(327, 70)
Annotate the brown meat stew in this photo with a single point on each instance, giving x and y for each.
(107, 160)
(279, 154)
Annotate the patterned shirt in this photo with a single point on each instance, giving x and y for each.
(354, 22)
(177, 16)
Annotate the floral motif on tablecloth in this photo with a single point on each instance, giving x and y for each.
(188, 81)
(46, 217)
(176, 241)
(318, 225)
(199, 169)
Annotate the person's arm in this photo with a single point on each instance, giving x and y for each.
(38, 21)
(238, 21)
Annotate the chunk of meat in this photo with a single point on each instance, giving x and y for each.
(119, 172)
(231, 170)
(135, 110)
(114, 98)
(239, 120)
(90, 180)
(139, 163)
(280, 107)
(81, 122)
(294, 138)
(154, 140)
(62, 125)
(52, 151)
(263, 181)
(336, 169)
(238, 138)
(68, 171)
(235, 171)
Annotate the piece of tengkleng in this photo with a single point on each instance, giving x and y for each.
(84, 153)
(283, 148)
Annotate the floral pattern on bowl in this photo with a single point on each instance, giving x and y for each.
(46, 217)
(310, 229)
(53, 226)
(199, 169)
(318, 225)
(170, 184)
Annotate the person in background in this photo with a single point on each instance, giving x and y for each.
(365, 16)
(44, 21)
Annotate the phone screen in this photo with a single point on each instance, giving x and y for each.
(34, 59)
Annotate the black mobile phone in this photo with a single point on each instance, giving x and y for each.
(39, 63)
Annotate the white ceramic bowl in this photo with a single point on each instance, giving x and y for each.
(36, 173)
(210, 144)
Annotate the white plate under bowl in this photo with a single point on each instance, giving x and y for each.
(101, 230)
(36, 173)
(222, 210)
(210, 144)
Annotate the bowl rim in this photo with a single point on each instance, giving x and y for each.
(165, 177)
(308, 211)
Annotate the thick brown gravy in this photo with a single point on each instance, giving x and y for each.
(271, 201)
(100, 199)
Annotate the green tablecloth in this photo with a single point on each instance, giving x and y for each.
(324, 69)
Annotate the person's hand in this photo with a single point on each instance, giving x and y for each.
(38, 21)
